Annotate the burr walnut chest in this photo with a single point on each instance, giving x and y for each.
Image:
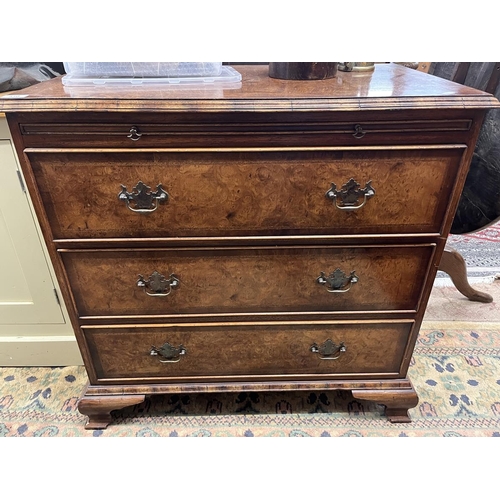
(283, 235)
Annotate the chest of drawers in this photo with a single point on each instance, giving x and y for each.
(279, 236)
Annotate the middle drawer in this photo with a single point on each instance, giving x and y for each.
(166, 282)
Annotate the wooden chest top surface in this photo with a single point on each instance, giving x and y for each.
(389, 86)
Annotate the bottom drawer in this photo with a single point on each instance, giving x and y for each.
(244, 351)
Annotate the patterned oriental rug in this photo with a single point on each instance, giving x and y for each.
(455, 371)
(480, 250)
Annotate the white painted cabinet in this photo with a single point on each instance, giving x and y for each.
(34, 326)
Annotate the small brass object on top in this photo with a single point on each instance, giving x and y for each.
(356, 66)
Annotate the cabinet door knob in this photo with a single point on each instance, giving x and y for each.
(134, 134)
(358, 132)
(157, 285)
(328, 349)
(348, 196)
(337, 281)
(168, 353)
(142, 198)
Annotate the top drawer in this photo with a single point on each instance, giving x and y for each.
(246, 192)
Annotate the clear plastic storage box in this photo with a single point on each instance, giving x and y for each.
(142, 69)
(228, 78)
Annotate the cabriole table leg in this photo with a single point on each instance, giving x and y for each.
(453, 264)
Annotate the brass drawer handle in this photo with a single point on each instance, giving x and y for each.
(328, 349)
(134, 134)
(168, 353)
(158, 284)
(347, 198)
(144, 200)
(358, 132)
(337, 281)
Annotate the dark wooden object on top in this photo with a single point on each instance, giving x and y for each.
(280, 236)
(303, 70)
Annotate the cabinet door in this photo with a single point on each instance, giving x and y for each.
(27, 292)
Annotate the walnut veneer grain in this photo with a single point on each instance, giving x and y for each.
(248, 227)
(249, 352)
(247, 280)
(246, 193)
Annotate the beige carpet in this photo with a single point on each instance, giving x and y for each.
(447, 304)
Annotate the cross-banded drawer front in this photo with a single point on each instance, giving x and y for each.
(247, 280)
(249, 351)
(248, 192)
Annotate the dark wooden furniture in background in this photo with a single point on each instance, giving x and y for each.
(479, 203)
(280, 236)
